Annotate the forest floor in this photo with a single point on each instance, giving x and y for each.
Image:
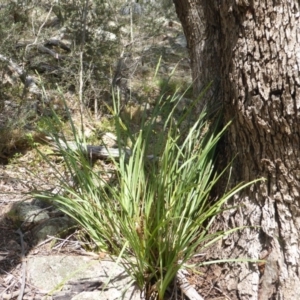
(15, 182)
(23, 116)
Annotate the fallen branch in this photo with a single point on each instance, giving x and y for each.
(22, 289)
(46, 50)
(101, 152)
(27, 80)
(58, 43)
(186, 288)
(10, 295)
(42, 47)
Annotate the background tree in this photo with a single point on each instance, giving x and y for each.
(250, 49)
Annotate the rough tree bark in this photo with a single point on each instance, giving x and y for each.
(251, 49)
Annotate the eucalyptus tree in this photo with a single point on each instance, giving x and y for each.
(250, 50)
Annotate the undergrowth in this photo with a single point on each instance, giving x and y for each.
(157, 211)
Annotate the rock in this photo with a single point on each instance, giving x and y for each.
(112, 25)
(27, 212)
(39, 219)
(79, 278)
(136, 9)
(180, 40)
(103, 35)
(52, 227)
(109, 140)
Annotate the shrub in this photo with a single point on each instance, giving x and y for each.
(158, 211)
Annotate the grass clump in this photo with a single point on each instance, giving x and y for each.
(155, 212)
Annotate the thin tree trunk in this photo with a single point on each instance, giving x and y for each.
(256, 47)
(202, 33)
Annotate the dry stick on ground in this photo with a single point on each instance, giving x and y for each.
(10, 296)
(186, 288)
(43, 47)
(22, 289)
(37, 35)
(101, 152)
(26, 79)
(46, 50)
(29, 81)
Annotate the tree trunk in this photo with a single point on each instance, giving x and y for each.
(251, 49)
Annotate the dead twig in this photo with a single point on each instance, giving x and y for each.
(22, 289)
(27, 80)
(186, 288)
(101, 152)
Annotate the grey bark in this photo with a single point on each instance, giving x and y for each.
(252, 48)
(200, 24)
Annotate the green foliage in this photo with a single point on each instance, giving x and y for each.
(26, 29)
(156, 210)
(171, 87)
(76, 44)
(51, 125)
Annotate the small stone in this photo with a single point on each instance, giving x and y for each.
(51, 227)
(27, 212)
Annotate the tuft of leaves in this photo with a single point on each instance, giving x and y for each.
(157, 212)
